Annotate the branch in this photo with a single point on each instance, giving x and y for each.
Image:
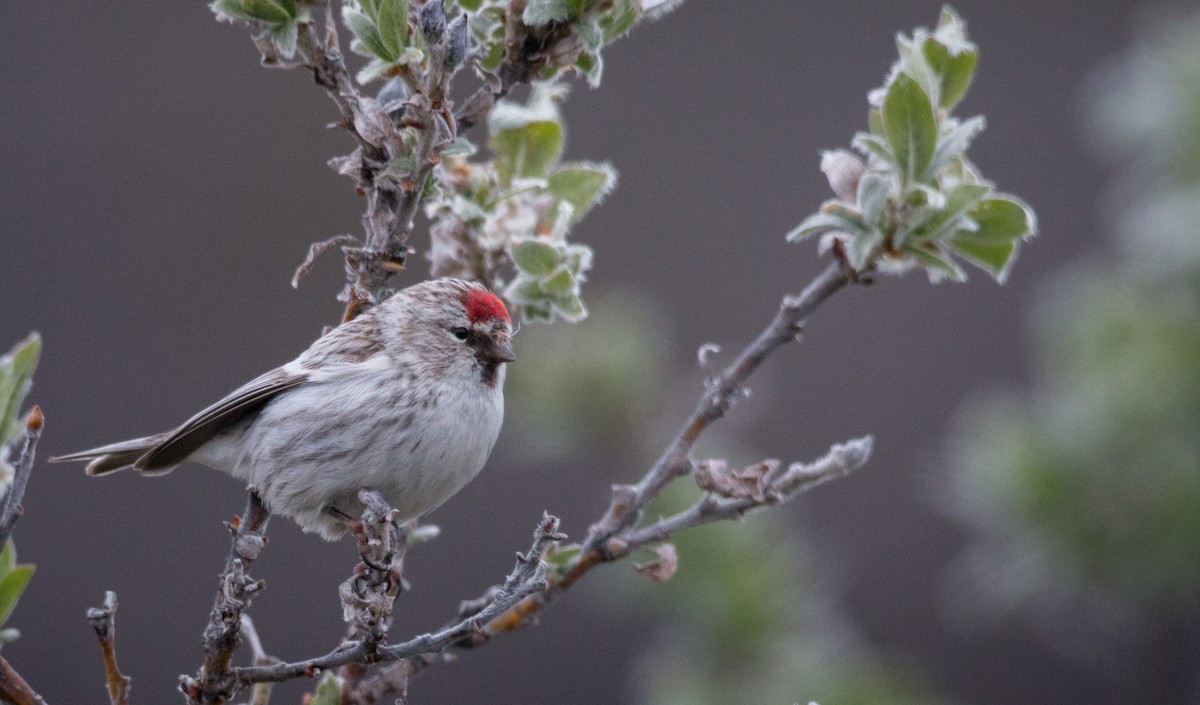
(14, 689)
(23, 449)
(527, 578)
(216, 682)
(103, 620)
(605, 542)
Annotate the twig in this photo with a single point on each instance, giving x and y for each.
(260, 694)
(103, 620)
(603, 543)
(14, 689)
(23, 450)
(216, 681)
(528, 577)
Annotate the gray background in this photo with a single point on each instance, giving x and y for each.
(157, 189)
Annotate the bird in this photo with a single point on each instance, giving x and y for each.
(406, 399)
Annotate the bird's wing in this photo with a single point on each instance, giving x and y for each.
(353, 347)
(201, 428)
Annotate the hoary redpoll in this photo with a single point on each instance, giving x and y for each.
(406, 399)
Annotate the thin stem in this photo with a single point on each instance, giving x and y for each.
(103, 620)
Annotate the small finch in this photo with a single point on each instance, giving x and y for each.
(406, 399)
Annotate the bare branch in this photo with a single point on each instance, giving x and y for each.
(527, 577)
(216, 682)
(23, 450)
(14, 689)
(103, 620)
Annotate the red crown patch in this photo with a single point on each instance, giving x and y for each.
(483, 305)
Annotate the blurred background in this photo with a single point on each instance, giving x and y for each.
(1028, 529)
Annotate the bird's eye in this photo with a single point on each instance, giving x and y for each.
(461, 333)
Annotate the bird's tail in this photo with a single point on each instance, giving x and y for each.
(116, 456)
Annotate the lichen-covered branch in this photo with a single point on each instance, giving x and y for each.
(216, 682)
(528, 577)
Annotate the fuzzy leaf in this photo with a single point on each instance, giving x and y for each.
(16, 372)
(560, 284)
(994, 257)
(873, 190)
(993, 246)
(937, 266)
(954, 70)
(571, 308)
(818, 223)
(284, 37)
(534, 257)
(910, 126)
(328, 690)
(539, 12)
(393, 25)
(12, 583)
(943, 222)
(365, 31)
(582, 185)
(619, 19)
(269, 11)
(460, 145)
(528, 151)
(954, 142)
(1000, 219)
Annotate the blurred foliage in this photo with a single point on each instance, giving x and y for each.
(918, 200)
(602, 380)
(745, 620)
(1086, 494)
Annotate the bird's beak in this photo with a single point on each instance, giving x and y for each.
(501, 350)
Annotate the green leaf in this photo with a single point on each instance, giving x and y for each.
(266, 10)
(937, 266)
(571, 308)
(873, 190)
(619, 19)
(954, 70)
(995, 257)
(1002, 222)
(911, 128)
(460, 145)
(946, 220)
(560, 284)
(592, 67)
(527, 151)
(470, 5)
(999, 219)
(877, 146)
(328, 690)
(875, 122)
(818, 223)
(954, 142)
(582, 185)
(393, 25)
(526, 139)
(8, 558)
(16, 372)
(11, 587)
(365, 31)
(284, 37)
(589, 33)
(539, 12)
(534, 257)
